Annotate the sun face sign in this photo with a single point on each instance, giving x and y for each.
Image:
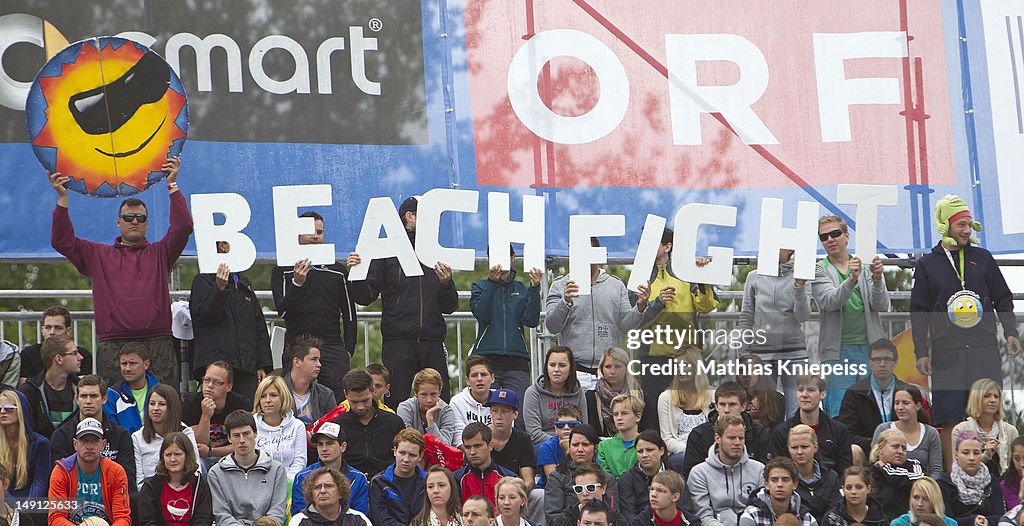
(107, 112)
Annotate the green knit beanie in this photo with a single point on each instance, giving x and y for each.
(947, 207)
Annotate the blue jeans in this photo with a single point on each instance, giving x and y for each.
(675, 461)
(516, 381)
(839, 384)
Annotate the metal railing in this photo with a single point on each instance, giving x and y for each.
(23, 328)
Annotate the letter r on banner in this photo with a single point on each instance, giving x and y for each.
(236, 214)
(688, 99)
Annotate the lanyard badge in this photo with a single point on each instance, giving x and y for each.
(964, 307)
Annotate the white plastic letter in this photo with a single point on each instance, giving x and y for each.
(774, 236)
(836, 93)
(535, 115)
(236, 214)
(428, 226)
(581, 254)
(288, 226)
(867, 198)
(688, 99)
(501, 231)
(381, 213)
(688, 220)
(646, 251)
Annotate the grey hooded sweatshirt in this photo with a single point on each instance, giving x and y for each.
(719, 492)
(773, 304)
(240, 497)
(592, 323)
(540, 409)
(445, 426)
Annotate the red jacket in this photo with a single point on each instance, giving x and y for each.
(473, 482)
(129, 283)
(64, 487)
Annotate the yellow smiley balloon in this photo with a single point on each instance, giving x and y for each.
(108, 113)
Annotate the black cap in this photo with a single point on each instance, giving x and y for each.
(409, 205)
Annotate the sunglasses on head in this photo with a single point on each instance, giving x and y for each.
(585, 488)
(567, 424)
(833, 234)
(128, 218)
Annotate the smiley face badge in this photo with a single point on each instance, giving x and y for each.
(107, 112)
(964, 309)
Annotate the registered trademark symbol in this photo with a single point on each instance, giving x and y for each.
(376, 24)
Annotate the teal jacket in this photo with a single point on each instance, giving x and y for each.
(503, 310)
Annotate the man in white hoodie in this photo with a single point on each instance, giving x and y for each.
(594, 324)
(469, 405)
(719, 486)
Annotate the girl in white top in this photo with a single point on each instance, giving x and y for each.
(163, 416)
(923, 441)
(510, 493)
(278, 432)
(684, 405)
(985, 417)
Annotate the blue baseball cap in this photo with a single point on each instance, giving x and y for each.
(504, 397)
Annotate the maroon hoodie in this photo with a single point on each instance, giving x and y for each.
(129, 283)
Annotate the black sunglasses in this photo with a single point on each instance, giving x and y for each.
(128, 218)
(833, 234)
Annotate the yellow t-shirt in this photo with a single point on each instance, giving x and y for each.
(678, 314)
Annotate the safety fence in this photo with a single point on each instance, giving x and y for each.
(24, 328)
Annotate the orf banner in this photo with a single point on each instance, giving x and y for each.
(596, 106)
(672, 102)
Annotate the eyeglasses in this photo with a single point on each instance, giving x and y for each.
(883, 359)
(567, 424)
(833, 234)
(213, 381)
(128, 218)
(585, 488)
(8, 408)
(325, 486)
(72, 353)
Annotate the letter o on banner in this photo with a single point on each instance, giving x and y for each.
(525, 69)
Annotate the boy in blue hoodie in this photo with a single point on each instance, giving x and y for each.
(126, 400)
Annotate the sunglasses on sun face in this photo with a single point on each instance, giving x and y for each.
(128, 218)
(567, 424)
(585, 488)
(833, 234)
(8, 408)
